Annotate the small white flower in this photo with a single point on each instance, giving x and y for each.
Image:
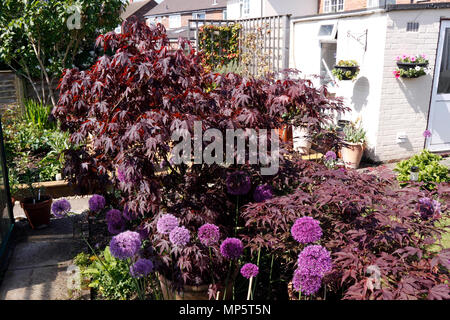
(418, 68)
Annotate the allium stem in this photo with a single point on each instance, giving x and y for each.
(237, 216)
(256, 279)
(211, 265)
(138, 289)
(249, 288)
(228, 278)
(270, 278)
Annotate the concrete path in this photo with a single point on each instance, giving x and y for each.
(38, 267)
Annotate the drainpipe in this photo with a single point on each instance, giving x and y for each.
(262, 2)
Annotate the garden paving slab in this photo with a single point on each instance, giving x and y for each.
(38, 266)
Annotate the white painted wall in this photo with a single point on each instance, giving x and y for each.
(268, 8)
(405, 102)
(363, 95)
(292, 7)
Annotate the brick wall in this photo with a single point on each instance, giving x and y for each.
(405, 102)
(361, 4)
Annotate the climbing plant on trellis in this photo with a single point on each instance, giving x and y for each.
(219, 44)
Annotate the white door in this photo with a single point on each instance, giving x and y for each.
(439, 119)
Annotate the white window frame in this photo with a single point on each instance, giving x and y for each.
(195, 15)
(331, 37)
(333, 6)
(175, 24)
(244, 7)
(154, 20)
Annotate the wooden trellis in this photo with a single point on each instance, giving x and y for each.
(264, 42)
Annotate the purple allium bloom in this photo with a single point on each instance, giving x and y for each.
(143, 231)
(308, 282)
(208, 234)
(179, 236)
(330, 155)
(116, 223)
(263, 193)
(128, 214)
(306, 230)
(125, 245)
(231, 248)
(429, 208)
(249, 270)
(60, 208)
(141, 268)
(166, 223)
(427, 133)
(238, 183)
(314, 259)
(96, 203)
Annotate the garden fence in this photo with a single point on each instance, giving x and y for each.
(263, 41)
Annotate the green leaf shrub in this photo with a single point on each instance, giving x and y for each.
(430, 170)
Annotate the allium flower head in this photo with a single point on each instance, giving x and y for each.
(116, 223)
(125, 245)
(128, 214)
(60, 208)
(429, 208)
(208, 234)
(179, 236)
(249, 270)
(427, 133)
(306, 282)
(238, 183)
(306, 230)
(314, 259)
(330, 155)
(166, 223)
(141, 268)
(96, 203)
(231, 248)
(143, 231)
(263, 193)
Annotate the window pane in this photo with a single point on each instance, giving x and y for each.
(444, 74)
(326, 30)
(328, 59)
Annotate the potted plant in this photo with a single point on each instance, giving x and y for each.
(353, 149)
(37, 207)
(411, 66)
(346, 70)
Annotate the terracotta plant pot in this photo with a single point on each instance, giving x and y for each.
(38, 213)
(352, 154)
(191, 292)
(285, 133)
(301, 140)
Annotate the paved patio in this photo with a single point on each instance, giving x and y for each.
(38, 267)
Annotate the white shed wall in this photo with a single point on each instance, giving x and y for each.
(363, 95)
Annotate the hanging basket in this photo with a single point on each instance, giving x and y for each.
(353, 70)
(406, 66)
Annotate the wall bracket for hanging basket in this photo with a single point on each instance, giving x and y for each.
(361, 38)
